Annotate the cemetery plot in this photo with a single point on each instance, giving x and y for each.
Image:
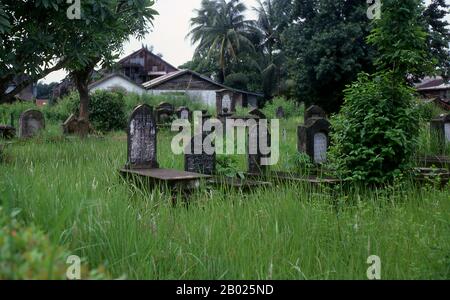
(142, 159)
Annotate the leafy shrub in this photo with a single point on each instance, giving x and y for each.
(291, 108)
(26, 253)
(106, 109)
(376, 131)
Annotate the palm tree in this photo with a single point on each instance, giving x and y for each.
(272, 19)
(220, 29)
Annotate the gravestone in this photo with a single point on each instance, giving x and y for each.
(184, 113)
(254, 153)
(163, 113)
(280, 113)
(440, 128)
(141, 134)
(30, 123)
(225, 99)
(313, 139)
(196, 160)
(314, 111)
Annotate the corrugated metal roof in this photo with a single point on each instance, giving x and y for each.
(163, 79)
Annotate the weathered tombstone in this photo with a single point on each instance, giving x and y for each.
(30, 123)
(314, 111)
(141, 134)
(196, 159)
(163, 112)
(440, 127)
(313, 139)
(225, 99)
(184, 113)
(280, 113)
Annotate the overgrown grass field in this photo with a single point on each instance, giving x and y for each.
(71, 190)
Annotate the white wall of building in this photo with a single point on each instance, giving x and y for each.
(119, 82)
(204, 96)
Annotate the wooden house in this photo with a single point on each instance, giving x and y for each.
(201, 88)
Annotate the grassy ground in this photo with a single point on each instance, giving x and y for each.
(71, 189)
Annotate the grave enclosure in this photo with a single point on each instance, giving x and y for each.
(142, 156)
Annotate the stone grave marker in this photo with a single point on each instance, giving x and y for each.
(225, 100)
(30, 123)
(280, 112)
(141, 134)
(314, 111)
(184, 113)
(196, 160)
(313, 139)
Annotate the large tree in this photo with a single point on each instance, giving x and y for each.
(98, 37)
(327, 49)
(438, 38)
(41, 39)
(31, 34)
(273, 17)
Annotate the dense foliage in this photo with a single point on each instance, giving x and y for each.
(378, 125)
(376, 131)
(26, 253)
(327, 49)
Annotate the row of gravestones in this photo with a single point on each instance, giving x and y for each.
(142, 146)
(313, 136)
(164, 113)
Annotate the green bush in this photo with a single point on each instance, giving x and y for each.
(26, 253)
(376, 131)
(107, 110)
(291, 108)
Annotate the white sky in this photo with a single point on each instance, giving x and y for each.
(168, 36)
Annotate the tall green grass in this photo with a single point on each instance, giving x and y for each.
(71, 189)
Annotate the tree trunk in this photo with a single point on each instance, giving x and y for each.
(82, 78)
(83, 90)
